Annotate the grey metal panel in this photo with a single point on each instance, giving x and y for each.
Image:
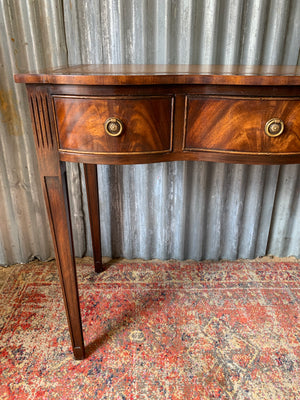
(189, 209)
(285, 228)
(28, 31)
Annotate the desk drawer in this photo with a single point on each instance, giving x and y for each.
(114, 125)
(234, 124)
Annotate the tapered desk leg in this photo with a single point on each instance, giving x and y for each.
(91, 180)
(53, 178)
(56, 196)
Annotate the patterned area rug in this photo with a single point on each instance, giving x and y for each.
(154, 330)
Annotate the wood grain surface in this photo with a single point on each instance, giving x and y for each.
(169, 113)
(237, 124)
(147, 124)
(140, 74)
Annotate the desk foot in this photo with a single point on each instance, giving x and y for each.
(79, 353)
(98, 266)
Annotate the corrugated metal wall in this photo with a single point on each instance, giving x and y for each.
(190, 209)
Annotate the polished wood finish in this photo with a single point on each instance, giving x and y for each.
(238, 125)
(53, 179)
(56, 196)
(91, 180)
(147, 124)
(208, 113)
(165, 75)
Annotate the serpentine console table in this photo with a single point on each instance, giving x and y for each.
(132, 114)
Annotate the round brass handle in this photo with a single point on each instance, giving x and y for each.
(113, 126)
(274, 127)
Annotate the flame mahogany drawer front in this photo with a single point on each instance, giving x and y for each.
(134, 114)
(234, 124)
(142, 124)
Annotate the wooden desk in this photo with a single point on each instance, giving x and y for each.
(131, 114)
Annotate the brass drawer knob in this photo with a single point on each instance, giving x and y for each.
(274, 127)
(113, 126)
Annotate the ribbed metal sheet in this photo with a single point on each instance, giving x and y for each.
(189, 209)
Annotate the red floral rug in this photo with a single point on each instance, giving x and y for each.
(154, 330)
